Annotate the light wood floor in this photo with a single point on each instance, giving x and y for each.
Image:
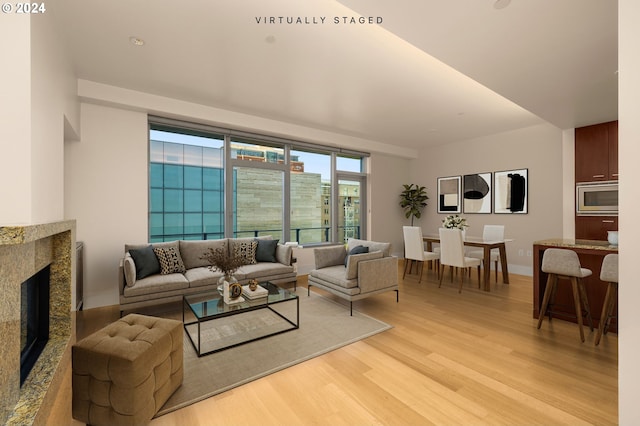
(451, 359)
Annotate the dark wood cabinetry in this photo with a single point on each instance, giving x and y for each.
(596, 159)
(595, 227)
(597, 152)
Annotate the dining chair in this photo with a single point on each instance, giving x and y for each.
(452, 254)
(490, 233)
(414, 250)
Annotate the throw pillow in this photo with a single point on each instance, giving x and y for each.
(170, 261)
(129, 270)
(355, 250)
(266, 250)
(146, 262)
(246, 250)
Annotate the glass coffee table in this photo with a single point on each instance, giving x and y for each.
(213, 326)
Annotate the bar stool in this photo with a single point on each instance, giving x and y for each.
(564, 264)
(608, 274)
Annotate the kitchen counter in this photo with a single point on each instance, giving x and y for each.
(590, 253)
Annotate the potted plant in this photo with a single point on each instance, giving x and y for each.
(413, 200)
(219, 260)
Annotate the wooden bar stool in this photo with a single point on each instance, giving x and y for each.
(608, 274)
(564, 264)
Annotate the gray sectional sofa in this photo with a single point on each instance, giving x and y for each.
(183, 271)
(360, 270)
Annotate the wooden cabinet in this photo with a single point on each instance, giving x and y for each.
(596, 152)
(595, 227)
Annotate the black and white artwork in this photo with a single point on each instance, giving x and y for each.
(449, 194)
(511, 191)
(476, 193)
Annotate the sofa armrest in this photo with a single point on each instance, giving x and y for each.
(377, 274)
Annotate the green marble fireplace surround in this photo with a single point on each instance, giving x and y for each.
(25, 250)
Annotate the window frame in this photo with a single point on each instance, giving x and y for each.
(229, 164)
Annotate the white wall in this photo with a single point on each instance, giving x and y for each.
(538, 149)
(38, 95)
(15, 110)
(629, 152)
(385, 216)
(106, 183)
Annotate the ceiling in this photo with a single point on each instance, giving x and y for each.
(431, 72)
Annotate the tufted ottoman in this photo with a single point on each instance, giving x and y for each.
(124, 373)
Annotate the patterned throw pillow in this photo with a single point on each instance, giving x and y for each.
(246, 250)
(170, 260)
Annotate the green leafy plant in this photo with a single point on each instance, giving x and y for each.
(413, 200)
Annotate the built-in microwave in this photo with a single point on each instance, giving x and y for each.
(597, 198)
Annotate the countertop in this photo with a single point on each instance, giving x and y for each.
(577, 244)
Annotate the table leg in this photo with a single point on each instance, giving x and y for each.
(503, 262)
(487, 268)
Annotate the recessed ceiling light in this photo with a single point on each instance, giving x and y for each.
(501, 4)
(136, 41)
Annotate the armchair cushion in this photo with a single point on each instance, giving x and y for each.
(353, 260)
(385, 248)
(329, 256)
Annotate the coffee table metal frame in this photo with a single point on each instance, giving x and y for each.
(208, 306)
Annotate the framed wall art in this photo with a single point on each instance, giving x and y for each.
(476, 193)
(449, 194)
(511, 191)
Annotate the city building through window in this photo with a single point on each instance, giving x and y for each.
(290, 190)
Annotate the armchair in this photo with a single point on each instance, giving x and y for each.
(355, 276)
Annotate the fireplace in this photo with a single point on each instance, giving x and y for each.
(34, 319)
(25, 252)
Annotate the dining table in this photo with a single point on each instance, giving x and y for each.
(487, 246)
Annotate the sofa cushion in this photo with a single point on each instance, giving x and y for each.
(202, 276)
(170, 260)
(353, 260)
(335, 275)
(385, 248)
(329, 256)
(129, 266)
(264, 269)
(193, 251)
(284, 254)
(266, 250)
(156, 284)
(245, 249)
(146, 262)
(355, 250)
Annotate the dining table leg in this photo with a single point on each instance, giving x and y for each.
(487, 268)
(503, 262)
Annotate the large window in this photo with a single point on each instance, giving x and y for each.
(290, 190)
(186, 186)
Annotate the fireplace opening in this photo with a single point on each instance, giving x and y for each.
(34, 320)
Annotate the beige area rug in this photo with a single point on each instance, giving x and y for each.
(325, 325)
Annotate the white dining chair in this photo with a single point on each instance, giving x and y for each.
(414, 250)
(490, 233)
(452, 254)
